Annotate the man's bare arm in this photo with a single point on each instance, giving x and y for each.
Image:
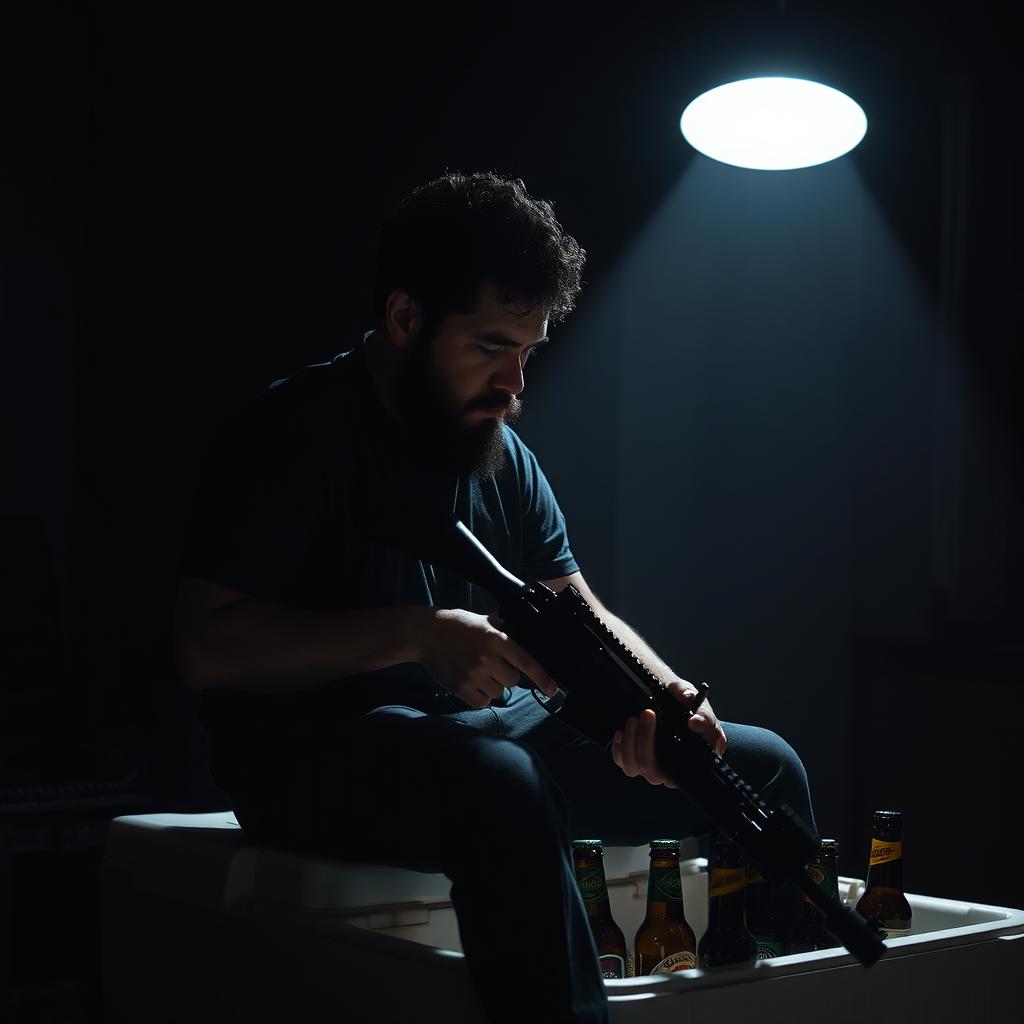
(633, 748)
(224, 638)
(629, 636)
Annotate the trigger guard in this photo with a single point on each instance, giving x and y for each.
(546, 702)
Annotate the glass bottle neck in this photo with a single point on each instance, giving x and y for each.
(886, 865)
(593, 887)
(727, 897)
(888, 875)
(825, 875)
(664, 889)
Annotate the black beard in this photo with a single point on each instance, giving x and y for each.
(435, 434)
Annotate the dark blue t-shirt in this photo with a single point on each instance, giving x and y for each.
(293, 491)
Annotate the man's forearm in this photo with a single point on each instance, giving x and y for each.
(260, 645)
(636, 643)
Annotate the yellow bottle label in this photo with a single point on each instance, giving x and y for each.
(883, 851)
(727, 880)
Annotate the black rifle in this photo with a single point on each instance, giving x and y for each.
(603, 683)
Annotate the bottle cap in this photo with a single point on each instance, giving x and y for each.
(665, 844)
(887, 824)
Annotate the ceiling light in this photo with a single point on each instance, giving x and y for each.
(773, 124)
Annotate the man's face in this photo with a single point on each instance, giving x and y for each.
(456, 388)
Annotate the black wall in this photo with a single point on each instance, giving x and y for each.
(795, 393)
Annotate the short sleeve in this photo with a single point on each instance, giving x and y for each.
(546, 554)
(261, 505)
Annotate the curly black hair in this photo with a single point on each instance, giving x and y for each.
(448, 237)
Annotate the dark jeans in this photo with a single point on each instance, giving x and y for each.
(492, 798)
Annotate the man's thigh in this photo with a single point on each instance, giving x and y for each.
(395, 786)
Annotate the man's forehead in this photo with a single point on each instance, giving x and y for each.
(520, 340)
(506, 325)
(492, 303)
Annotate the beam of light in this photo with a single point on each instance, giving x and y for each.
(773, 124)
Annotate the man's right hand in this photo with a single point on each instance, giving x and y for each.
(469, 655)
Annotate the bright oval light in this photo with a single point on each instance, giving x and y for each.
(773, 124)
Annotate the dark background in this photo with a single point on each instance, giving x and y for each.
(782, 422)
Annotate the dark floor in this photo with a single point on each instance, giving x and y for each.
(51, 873)
(52, 837)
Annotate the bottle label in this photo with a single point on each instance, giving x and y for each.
(592, 886)
(768, 949)
(884, 850)
(820, 877)
(668, 884)
(895, 933)
(681, 961)
(727, 880)
(612, 966)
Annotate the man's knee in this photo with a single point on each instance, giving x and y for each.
(771, 765)
(508, 781)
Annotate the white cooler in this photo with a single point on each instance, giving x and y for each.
(199, 925)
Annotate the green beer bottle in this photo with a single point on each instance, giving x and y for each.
(809, 931)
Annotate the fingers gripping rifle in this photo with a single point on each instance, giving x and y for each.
(603, 683)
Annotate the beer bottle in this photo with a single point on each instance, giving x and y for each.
(727, 939)
(809, 932)
(588, 860)
(763, 916)
(883, 897)
(665, 942)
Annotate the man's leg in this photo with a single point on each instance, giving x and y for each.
(402, 787)
(606, 803)
(630, 811)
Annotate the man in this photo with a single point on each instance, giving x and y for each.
(364, 702)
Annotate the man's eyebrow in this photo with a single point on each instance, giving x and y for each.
(497, 338)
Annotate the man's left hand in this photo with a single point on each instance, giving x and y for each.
(633, 745)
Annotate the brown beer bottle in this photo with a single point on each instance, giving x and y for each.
(727, 939)
(809, 932)
(883, 897)
(588, 860)
(665, 942)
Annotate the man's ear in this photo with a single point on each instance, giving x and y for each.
(403, 318)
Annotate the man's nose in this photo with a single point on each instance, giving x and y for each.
(510, 376)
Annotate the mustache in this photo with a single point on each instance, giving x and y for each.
(508, 402)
